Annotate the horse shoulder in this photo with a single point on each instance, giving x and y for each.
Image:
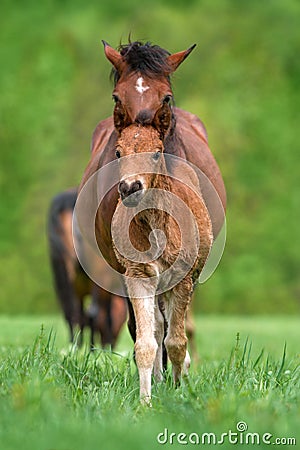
(103, 148)
(188, 120)
(91, 168)
(192, 134)
(102, 134)
(193, 144)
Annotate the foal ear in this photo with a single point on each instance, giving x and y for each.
(177, 58)
(162, 120)
(113, 56)
(121, 118)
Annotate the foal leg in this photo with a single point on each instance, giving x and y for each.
(190, 332)
(142, 296)
(159, 336)
(176, 340)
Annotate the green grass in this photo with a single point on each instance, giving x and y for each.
(55, 398)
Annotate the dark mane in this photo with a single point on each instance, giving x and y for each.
(146, 58)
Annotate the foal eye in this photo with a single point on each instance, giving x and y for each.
(167, 99)
(156, 156)
(118, 154)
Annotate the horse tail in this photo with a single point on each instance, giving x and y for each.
(63, 287)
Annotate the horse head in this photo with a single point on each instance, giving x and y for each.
(142, 81)
(139, 149)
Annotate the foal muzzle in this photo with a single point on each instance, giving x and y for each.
(131, 193)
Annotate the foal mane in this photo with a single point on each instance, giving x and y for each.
(146, 58)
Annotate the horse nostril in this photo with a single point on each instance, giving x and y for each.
(136, 186)
(144, 117)
(125, 190)
(122, 188)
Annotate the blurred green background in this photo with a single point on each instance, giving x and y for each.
(242, 80)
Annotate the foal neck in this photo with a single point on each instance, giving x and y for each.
(158, 217)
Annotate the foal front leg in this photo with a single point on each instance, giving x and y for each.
(159, 336)
(176, 340)
(142, 297)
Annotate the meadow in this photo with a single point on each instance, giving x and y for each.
(55, 397)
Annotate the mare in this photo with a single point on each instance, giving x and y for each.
(142, 87)
(106, 313)
(143, 95)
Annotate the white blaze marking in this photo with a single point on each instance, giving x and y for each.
(139, 86)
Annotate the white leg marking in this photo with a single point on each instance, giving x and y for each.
(186, 363)
(145, 385)
(142, 297)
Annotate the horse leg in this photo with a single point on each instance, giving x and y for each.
(92, 315)
(71, 330)
(131, 320)
(159, 336)
(190, 332)
(142, 297)
(81, 322)
(109, 324)
(161, 305)
(146, 345)
(118, 316)
(176, 340)
(92, 333)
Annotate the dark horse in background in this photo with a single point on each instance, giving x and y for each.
(143, 95)
(106, 312)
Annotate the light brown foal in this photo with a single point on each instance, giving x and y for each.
(169, 239)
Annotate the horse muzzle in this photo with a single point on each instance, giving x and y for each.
(131, 193)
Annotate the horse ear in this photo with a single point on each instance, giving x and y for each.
(162, 120)
(177, 58)
(113, 56)
(121, 118)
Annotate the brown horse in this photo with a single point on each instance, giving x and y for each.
(106, 313)
(143, 94)
(142, 86)
(187, 245)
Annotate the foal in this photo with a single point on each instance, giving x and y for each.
(168, 240)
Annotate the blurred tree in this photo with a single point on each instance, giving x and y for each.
(242, 80)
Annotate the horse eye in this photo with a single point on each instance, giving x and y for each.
(167, 99)
(118, 154)
(115, 98)
(156, 156)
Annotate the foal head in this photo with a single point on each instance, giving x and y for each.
(142, 80)
(140, 153)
